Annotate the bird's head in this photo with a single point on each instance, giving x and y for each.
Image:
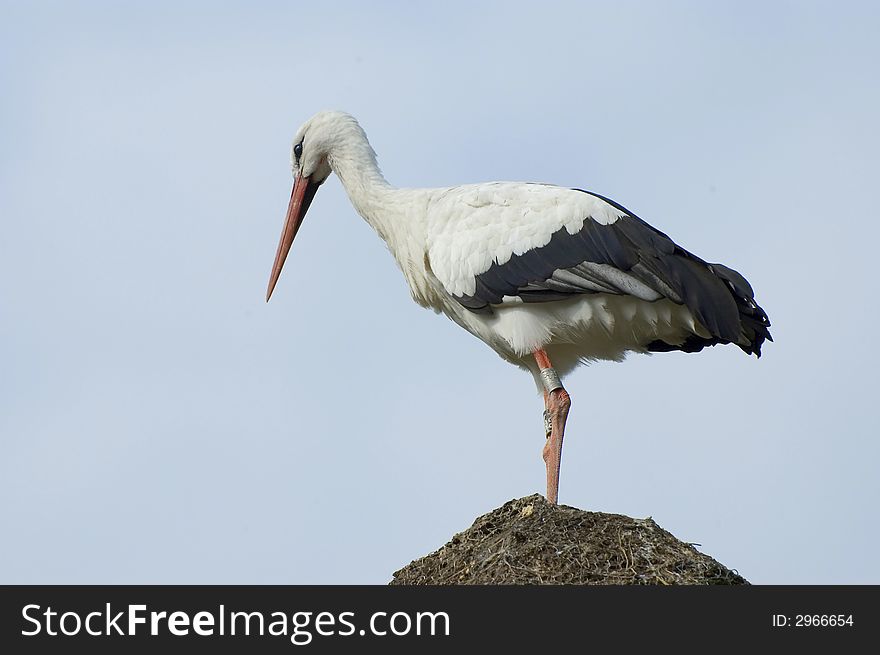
(311, 157)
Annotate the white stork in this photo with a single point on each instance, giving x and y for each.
(548, 277)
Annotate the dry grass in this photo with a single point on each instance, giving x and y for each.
(529, 541)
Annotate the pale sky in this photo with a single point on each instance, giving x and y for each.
(159, 423)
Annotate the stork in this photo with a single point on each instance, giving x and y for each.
(549, 277)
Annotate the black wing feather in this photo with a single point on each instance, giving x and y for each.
(721, 299)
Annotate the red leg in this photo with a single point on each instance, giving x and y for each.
(557, 403)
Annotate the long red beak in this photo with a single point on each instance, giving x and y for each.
(300, 199)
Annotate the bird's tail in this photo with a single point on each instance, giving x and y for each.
(748, 332)
(753, 319)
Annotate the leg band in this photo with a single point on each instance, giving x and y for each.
(550, 379)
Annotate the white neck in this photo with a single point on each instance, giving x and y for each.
(354, 161)
(397, 215)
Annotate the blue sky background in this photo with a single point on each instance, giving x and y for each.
(159, 423)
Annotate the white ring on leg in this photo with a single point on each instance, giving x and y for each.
(550, 379)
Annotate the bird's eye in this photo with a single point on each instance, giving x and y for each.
(298, 150)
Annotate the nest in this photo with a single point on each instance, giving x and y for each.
(529, 541)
